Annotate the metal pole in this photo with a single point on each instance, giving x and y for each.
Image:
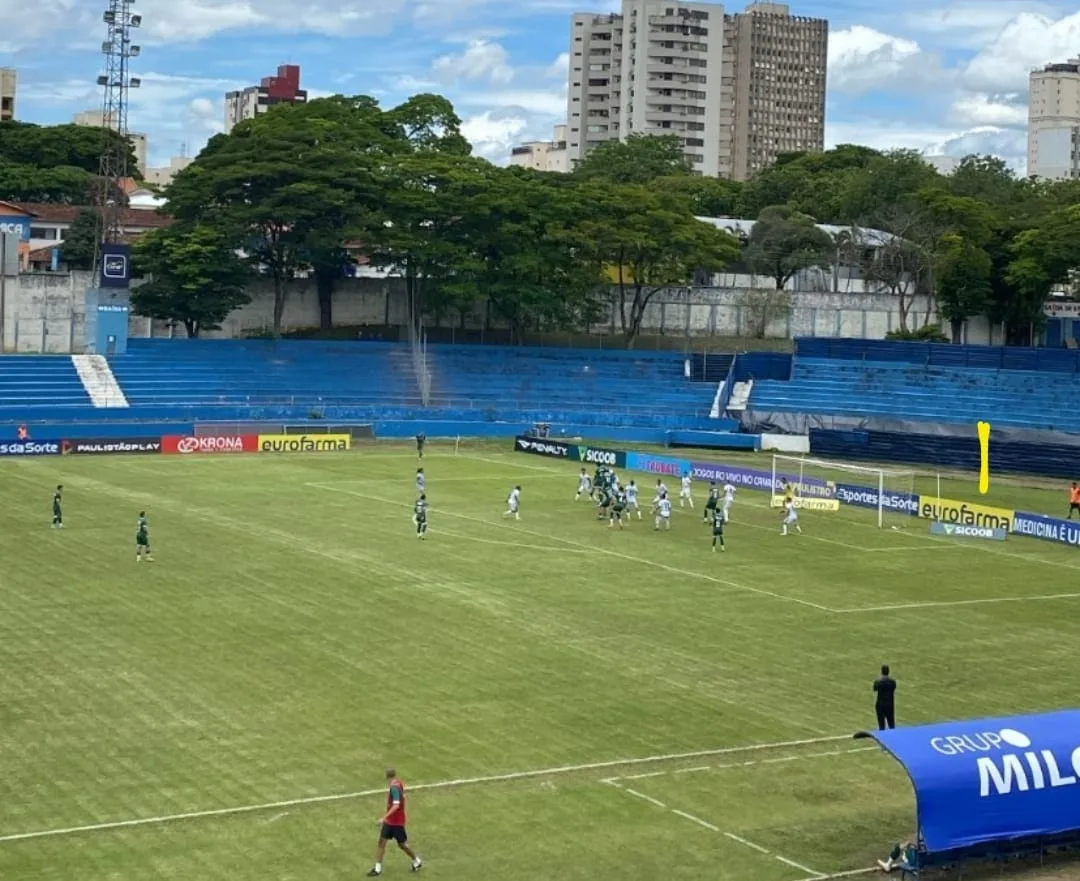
(3, 291)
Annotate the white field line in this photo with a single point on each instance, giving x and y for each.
(932, 604)
(852, 873)
(813, 874)
(644, 797)
(591, 548)
(750, 764)
(441, 784)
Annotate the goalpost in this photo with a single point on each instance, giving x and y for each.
(890, 493)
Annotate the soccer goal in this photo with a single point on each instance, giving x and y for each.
(890, 493)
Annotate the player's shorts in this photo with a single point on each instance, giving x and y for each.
(718, 526)
(143, 541)
(393, 833)
(1074, 506)
(684, 493)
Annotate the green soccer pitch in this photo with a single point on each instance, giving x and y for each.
(563, 700)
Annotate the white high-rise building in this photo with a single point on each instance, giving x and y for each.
(1054, 121)
(543, 155)
(738, 90)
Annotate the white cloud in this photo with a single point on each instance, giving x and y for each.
(482, 61)
(933, 140)
(1028, 41)
(989, 110)
(550, 104)
(492, 136)
(560, 67)
(862, 59)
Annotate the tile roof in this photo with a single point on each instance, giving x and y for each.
(57, 213)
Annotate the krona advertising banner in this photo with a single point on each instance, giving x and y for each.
(188, 444)
(987, 780)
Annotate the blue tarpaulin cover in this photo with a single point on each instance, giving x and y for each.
(991, 780)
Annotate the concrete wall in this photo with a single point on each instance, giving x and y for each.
(679, 312)
(47, 312)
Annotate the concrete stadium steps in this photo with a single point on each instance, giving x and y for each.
(28, 381)
(958, 395)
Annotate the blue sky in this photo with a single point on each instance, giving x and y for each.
(947, 77)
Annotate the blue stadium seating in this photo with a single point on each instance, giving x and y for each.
(1034, 392)
(28, 381)
(642, 388)
(242, 380)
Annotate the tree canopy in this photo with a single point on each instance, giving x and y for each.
(303, 190)
(56, 163)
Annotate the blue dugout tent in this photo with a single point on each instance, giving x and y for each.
(987, 783)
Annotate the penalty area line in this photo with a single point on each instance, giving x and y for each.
(510, 777)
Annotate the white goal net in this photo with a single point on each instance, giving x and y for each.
(828, 486)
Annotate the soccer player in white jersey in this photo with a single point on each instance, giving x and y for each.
(791, 518)
(513, 504)
(632, 505)
(663, 512)
(685, 495)
(584, 485)
(661, 491)
(421, 482)
(729, 499)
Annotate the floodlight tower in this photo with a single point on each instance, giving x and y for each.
(115, 83)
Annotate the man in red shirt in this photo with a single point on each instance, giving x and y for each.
(392, 826)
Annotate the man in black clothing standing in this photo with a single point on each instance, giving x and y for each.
(885, 704)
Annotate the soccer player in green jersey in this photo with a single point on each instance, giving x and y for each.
(142, 540)
(617, 508)
(718, 532)
(57, 511)
(711, 503)
(420, 516)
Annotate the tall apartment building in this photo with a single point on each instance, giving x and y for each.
(9, 80)
(280, 89)
(96, 119)
(737, 89)
(1054, 121)
(543, 155)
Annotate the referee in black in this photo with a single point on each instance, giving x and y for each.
(885, 703)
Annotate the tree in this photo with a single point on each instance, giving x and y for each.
(524, 259)
(639, 159)
(289, 187)
(194, 277)
(784, 242)
(963, 281)
(1046, 257)
(79, 246)
(60, 146)
(649, 241)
